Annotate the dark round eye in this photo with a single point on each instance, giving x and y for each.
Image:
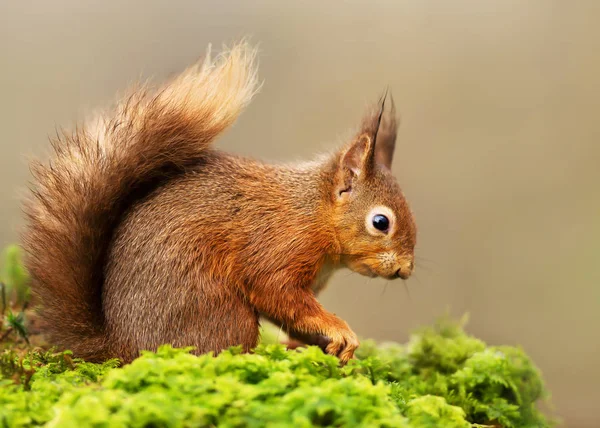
(381, 222)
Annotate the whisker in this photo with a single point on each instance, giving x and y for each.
(407, 292)
(349, 273)
(426, 260)
(279, 333)
(425, 268)
(384, 288)
(418, 280)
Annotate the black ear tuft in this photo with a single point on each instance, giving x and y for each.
(381, 124)
(380, 116)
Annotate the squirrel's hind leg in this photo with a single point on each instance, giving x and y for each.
(197, 312)
(221, 323)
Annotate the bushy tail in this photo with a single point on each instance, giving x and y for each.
(80, 196)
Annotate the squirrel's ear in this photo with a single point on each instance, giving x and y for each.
(382, 125)
(374, 146)
(355, 163)
(358, 159)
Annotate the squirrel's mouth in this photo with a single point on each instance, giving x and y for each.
(365, 270)
(362, 267)
(396, 275)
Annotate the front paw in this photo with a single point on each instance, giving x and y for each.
(343, 343)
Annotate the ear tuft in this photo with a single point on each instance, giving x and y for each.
(382, 124)
(374, 146)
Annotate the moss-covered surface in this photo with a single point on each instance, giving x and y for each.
(441, 378)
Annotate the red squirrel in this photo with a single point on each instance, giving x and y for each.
(140, 233)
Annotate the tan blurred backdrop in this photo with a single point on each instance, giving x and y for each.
(499, 147)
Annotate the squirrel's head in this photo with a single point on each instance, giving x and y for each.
(374, 225)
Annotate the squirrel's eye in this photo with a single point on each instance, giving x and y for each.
(381, 222)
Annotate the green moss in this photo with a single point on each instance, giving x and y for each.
(442, 377)
(492, 385)
(432, 411)
(14, 277)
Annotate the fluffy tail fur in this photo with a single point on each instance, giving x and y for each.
(95, 174)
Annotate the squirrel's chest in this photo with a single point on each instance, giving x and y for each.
(323, 276)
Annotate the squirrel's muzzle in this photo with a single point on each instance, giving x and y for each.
(405, 270)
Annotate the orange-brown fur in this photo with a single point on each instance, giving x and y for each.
(140, 233)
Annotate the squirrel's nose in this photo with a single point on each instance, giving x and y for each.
(402, 274)
(405, 271)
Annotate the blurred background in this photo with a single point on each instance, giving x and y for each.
(498, 151)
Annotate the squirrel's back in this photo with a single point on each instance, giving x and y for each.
(100, 170)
